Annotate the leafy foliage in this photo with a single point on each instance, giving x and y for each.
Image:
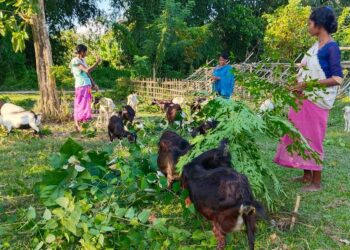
(343, 35)
(241, 126)
(93, 204)
(286, 33)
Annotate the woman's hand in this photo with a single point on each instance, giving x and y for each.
(98, 59)
(299, 88)
(215, 78)
(95, 87)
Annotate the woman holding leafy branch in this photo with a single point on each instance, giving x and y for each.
(322, 65)
(83, 86)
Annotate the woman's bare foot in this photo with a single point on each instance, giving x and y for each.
(312, 188)
(302, 179)
(77, 128)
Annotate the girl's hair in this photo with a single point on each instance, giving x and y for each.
(325, 17)
(224, 55)
(80, 48)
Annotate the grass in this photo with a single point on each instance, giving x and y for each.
(322, 221)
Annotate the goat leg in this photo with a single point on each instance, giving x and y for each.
(250, 220)
(111, 137)
(220, 237)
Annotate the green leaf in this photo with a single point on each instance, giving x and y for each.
(51, 224)
(63, 202)
(152, 177)
(31, 214)
(47, 214)
(163, 182)
(50, 238)
(70, 147)
(70, 225)
(59, 212)
(120, 212)
(107, 229)
(57, 160)
(130, 213)
(144, 215)
(101, 239)
(144, 184)
(39, 246)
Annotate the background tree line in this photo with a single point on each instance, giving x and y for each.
(169, 38)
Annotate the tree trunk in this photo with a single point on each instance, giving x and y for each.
(49, 102)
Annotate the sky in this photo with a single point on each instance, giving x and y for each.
(103, 5)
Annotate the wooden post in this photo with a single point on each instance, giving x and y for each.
(296, 208)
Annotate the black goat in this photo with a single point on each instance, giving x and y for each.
(171, 147)
(116, 130)
(222, 195)
(204, 128)
(128, 114)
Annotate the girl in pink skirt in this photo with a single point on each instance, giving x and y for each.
(83, 85)
(322, 63)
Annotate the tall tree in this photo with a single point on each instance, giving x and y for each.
(21, 14)
(49, 103)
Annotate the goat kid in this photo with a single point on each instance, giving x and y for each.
(204, 128)
(127, 114)
(162, 104)
(133, 101)
(266, 106)
(21, 120)
(171, 148)
(222, 195)
(116, 130)
(196, 105)
(105, 111)
(172, 113)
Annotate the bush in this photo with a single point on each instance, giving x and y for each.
(105, 77)
(25, 80)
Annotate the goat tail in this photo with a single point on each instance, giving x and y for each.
(260, 210)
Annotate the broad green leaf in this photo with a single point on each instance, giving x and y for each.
(50, 238)
(130, 213)
(70, 225)
(120, 212)
(152, 177)
(51, 224)
(144, 215)
(63, 202)
(101, 239)
(70, 147)
(47, 214)
(59, 212)
(31, 214)
(39, 246)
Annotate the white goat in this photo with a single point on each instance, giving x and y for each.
(347, 118)
(267, 105)
(21, 120)
(8, 108)
(106, 109)
(133, 101)
(178, 100)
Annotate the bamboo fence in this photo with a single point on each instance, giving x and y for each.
(199, 81)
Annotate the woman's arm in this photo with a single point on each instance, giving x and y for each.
(93, 84)
(88, 70)
(330, 82)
